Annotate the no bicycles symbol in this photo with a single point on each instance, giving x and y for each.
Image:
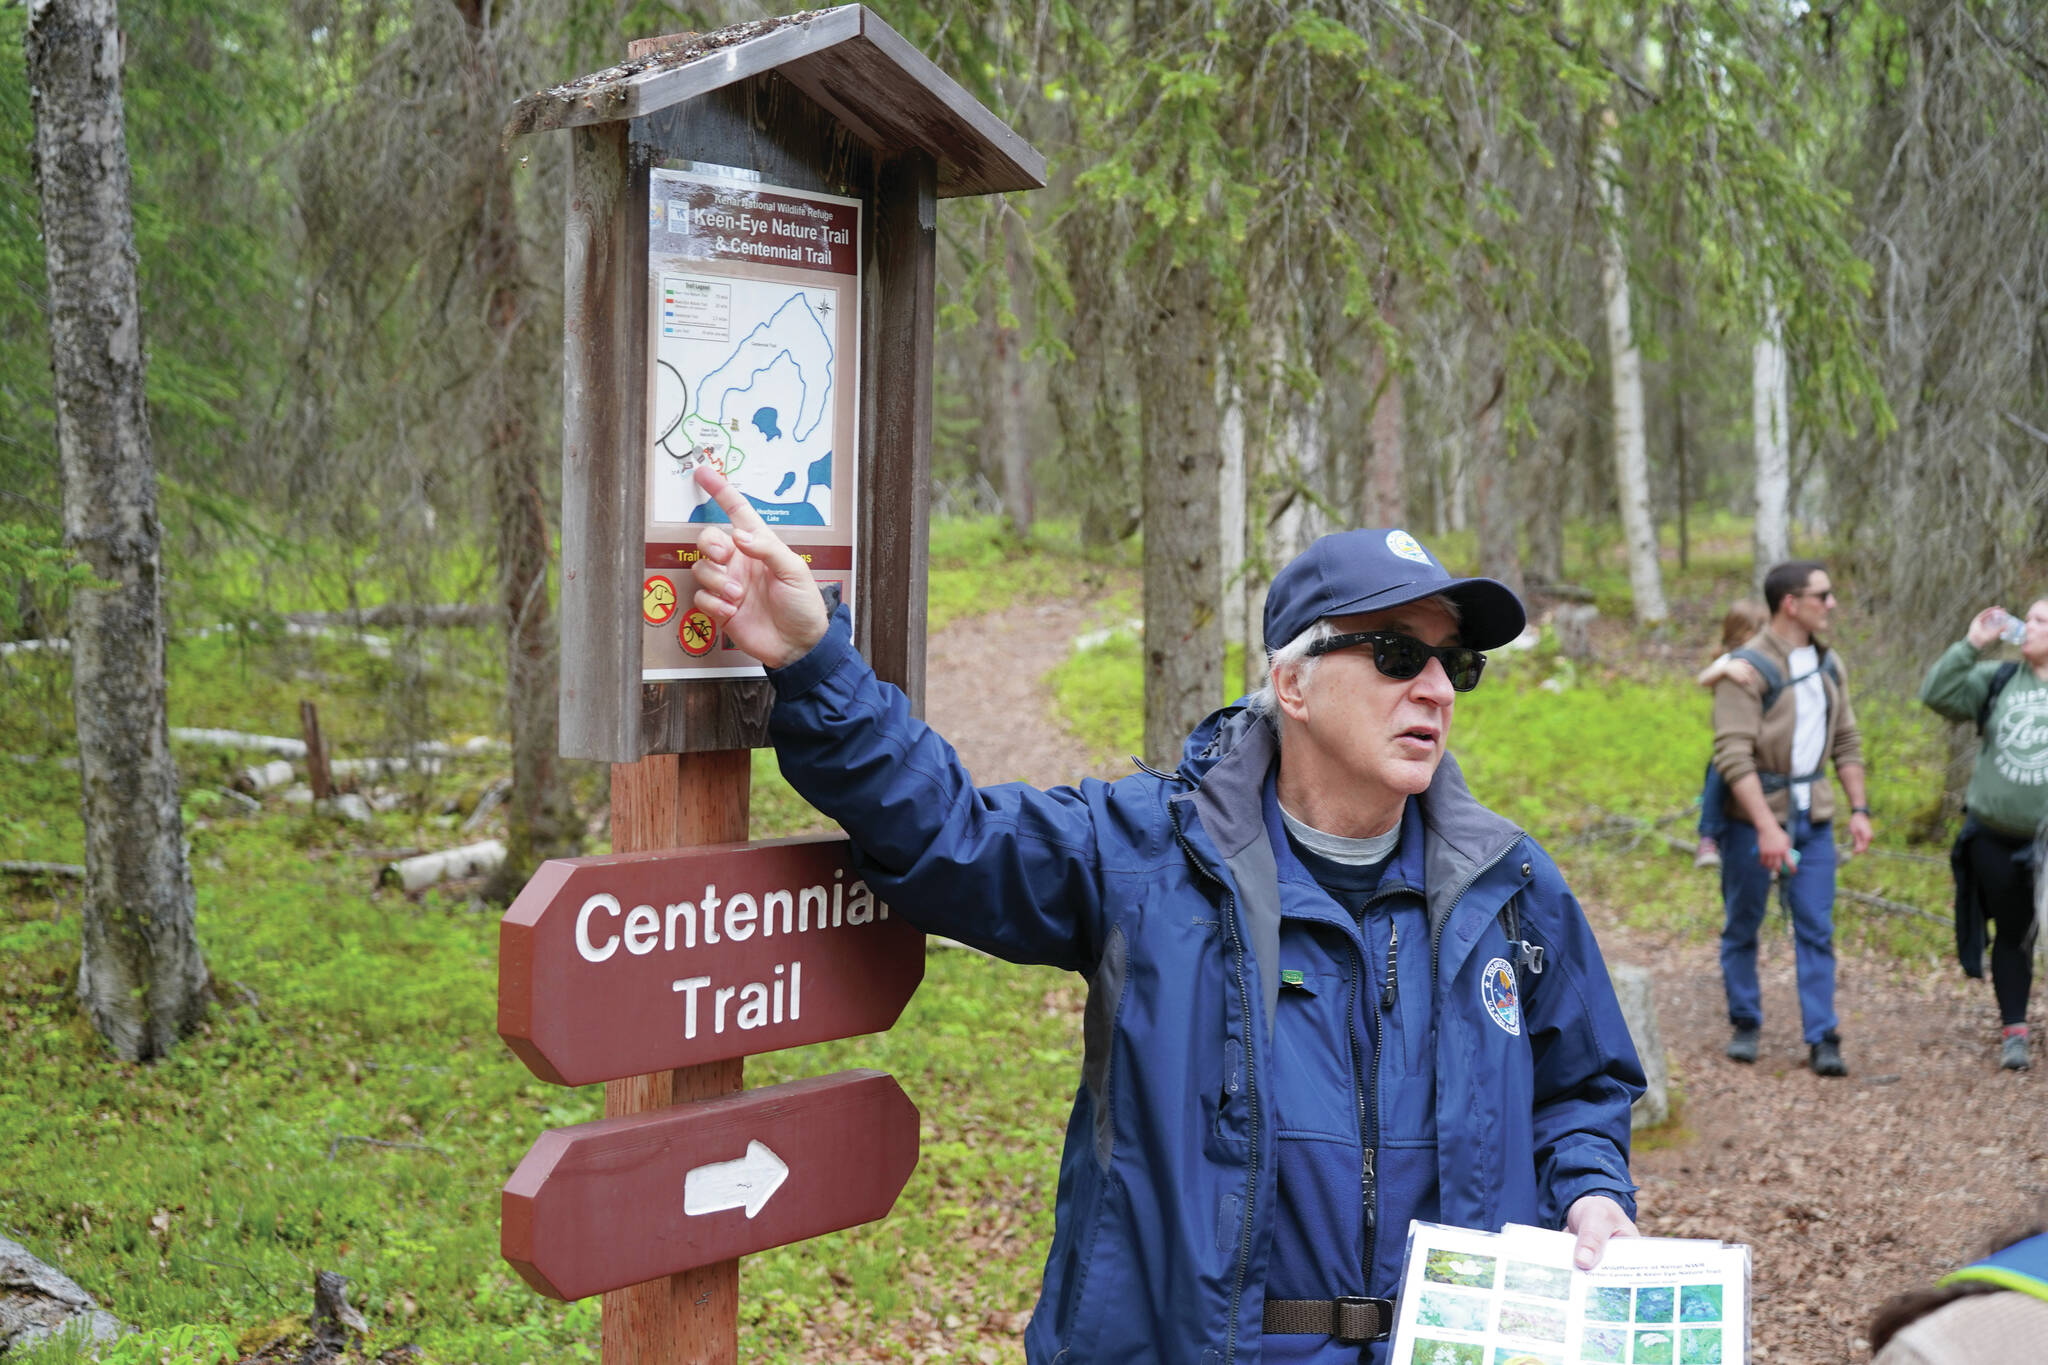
(697, 633)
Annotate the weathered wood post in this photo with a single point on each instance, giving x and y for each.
(750, 279)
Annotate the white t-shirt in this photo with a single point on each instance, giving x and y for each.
(1809, 720)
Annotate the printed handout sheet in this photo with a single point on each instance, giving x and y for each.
(1514, 1298)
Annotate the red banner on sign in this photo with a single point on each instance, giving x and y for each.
(760, 224)
(604, 1205)
(618, 966)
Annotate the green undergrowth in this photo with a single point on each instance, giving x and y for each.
(977, 565)
(349, 1107)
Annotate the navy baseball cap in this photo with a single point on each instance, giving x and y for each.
(1349, 572)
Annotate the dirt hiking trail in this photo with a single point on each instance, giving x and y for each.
(1847, 1191)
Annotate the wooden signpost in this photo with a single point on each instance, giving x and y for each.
(612, 1203)
(750, 253)
(640, 962)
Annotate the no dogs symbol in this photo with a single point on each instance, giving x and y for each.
(657, 600)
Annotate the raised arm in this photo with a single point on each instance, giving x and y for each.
(1958, 682)
(1010, 869)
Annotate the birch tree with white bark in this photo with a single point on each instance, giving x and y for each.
(1631, 455)
(1770, 416)
(141, 977)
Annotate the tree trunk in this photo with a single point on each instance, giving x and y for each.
(1631, 457)
(1769, 376)
(1005, 401)
(1183, 469)
(1457, 513)
(1547, 506)
(540, 822)
(141, 977)
(1385, 503)
(1301, 457)
(1492, 479)
(1095, 397)
(1494, 502)
(1231, 495)
(1681, 456)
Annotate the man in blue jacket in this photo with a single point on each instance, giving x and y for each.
(1329, 992)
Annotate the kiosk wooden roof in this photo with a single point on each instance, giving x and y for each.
(832, 101)
(851, 64)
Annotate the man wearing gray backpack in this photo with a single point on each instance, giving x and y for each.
(1774, 735)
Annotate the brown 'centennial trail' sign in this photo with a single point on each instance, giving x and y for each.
(608, 1204)
(618, 966)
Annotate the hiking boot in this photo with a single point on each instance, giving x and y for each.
(1742, 1047)
(2012, 1053)
(1825, 1057)
(1709, 854)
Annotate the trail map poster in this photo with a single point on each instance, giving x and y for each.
(754, 327)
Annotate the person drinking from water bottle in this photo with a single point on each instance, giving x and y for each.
(1995, 859)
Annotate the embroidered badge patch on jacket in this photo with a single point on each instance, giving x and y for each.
(1497, 993)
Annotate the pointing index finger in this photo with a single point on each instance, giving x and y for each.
(761, 542)
(730, 500)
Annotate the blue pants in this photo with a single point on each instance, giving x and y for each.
(1713, 804)
(1746, 892)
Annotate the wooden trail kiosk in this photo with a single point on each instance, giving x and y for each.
(750, 271)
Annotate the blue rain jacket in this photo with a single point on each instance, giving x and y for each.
(1163, 893)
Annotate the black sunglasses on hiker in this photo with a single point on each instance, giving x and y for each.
(1401, 657)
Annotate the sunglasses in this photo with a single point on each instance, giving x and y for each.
(1401, 657)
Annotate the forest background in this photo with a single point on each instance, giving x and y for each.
(1598, 295)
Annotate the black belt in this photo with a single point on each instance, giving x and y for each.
(1351, 1319)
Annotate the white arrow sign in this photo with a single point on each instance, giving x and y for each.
(748, 1183)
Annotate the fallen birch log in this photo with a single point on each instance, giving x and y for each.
(424, 758)
(263, 777)
(400, 615)
(235, 739)
(471, 860)
(380, 769)
(68, 762)
(14, 869)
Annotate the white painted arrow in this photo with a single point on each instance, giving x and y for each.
(748, 1183)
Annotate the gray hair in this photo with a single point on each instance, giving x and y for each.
(1294, 654)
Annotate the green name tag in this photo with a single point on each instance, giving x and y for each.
(1290, 977)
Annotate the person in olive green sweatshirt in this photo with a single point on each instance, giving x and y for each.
(1995, 857)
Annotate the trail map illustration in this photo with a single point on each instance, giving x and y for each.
(744, 379)
(753, 340)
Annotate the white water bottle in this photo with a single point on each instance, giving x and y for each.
(2011, 629)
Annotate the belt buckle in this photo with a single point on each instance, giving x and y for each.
(1357, 1305)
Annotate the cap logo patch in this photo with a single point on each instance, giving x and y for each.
(1406, 546)
(1497, 993)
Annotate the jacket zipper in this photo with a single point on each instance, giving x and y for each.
(1368, 1180)
(1251, 1088)
(1369, 1119)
